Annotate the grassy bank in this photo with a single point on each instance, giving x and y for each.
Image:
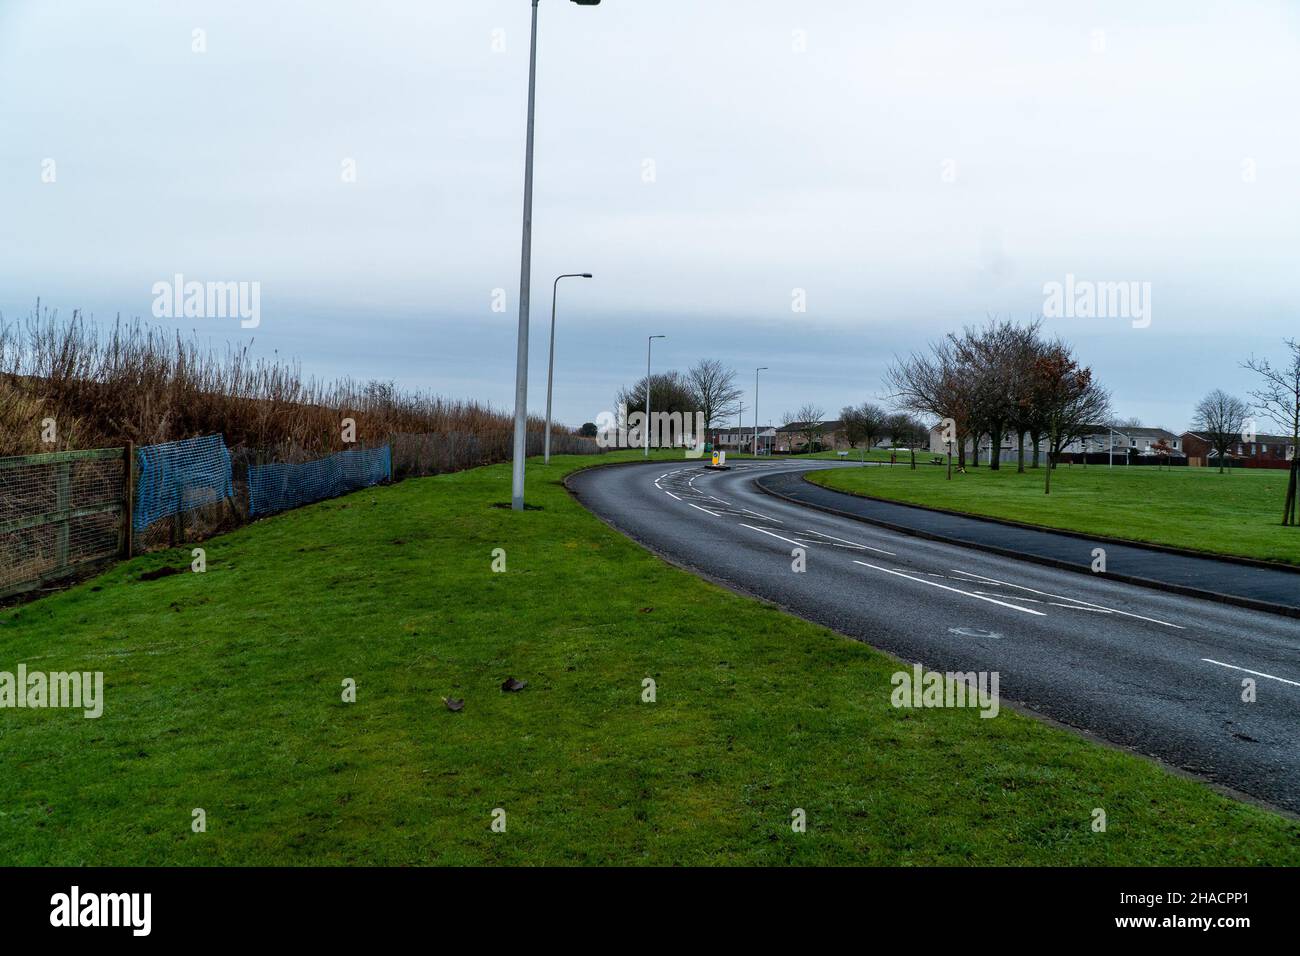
(1234, 513)
(223, 693)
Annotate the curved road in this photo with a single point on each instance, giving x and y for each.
(1157, 672)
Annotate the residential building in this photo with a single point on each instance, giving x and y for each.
(1097, 439)
(742, 438)
(1266, 451)
(794, 436)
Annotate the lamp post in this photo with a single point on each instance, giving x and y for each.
(525, 274)
(550, 365)
(756, 371)
(650, 339)
(1113, 433)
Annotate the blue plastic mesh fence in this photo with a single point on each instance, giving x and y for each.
(282, 486)
(180, 476)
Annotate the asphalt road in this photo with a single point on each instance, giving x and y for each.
(1152, 671)
(1265, 588)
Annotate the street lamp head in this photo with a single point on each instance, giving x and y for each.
(586, 275)
(587, 3)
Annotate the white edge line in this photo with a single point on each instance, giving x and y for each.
(705, 510)
(933, 584)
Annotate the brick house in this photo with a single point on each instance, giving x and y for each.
(793, 437)
(1266, 451)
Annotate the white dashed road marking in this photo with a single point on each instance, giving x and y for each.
(933, 584)
(1245, 670)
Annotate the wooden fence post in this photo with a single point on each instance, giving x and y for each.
(128, 500)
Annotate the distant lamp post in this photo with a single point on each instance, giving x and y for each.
(525, 276)
(756, 371)
(550, 365)
(650, 340)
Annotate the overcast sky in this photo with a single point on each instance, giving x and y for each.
(911, 167)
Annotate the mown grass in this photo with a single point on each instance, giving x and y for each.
(1237, 513)
(861, 454)
(223, 691)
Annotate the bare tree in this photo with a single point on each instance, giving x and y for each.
(714, 388)
(935, 385)
(863, 424)
(990, 357)
(1069, 400)
(669, 392)
(1026, 415)
(1278, 397)
(852, 425)
(905, 430)
(807, 422)
(1220, 417)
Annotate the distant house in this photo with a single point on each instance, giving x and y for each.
(1131, 441)
(1097, 439)
(742, 439)
(939, 447)
(1266, 451)
(794, 436)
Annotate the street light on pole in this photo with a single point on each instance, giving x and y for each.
(550, 365)
(649, 342)
(525, 275)
(756, 371)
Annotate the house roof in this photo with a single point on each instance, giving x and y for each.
(1264, 439)
(826, 425)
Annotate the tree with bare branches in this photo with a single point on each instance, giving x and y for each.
(1069, 400)
(996, 358)
(808, 424)
(716, 395)
(1278, 397)
(862, 424)
(1221, 418)
(935, 384)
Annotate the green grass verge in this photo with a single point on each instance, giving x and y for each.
(223, 692)
(1237, 513)
(858, 454)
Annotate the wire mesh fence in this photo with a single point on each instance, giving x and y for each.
(279, 487)
(179, 476)
(63, 512)
(59, 513)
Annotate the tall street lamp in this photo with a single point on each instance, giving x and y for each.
(550, 365)
(756, 371)
(525, 274)
(649, 342)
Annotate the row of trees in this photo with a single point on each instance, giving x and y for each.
(868, 424)
(708, 387)
(997, 379)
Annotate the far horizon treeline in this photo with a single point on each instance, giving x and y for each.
(104, 385)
